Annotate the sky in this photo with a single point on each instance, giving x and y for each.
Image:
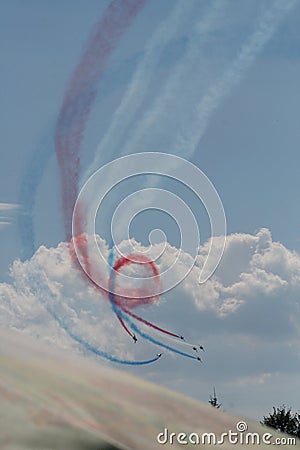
(213, 82)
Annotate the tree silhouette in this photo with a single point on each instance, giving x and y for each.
(214, 401)
(282, 419)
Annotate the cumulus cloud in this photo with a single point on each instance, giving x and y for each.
(257, 279)
(245, 314)
(48, 294)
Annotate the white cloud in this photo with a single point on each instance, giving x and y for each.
(8, 207)
(257, 379)
(255, 274)
(7, 212)
(246, 315)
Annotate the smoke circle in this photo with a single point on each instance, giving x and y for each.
(100, 184)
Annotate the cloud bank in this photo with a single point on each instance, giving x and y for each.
(254, 291)
(246, 315)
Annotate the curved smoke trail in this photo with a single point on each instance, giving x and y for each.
(87, 346)
(121, 262)
(37, 164)
(119, 312)
(80, 97)
(185, 144)
(74, 114)
(197, 37)
(267, 24)
(137, 89)
(123, 316)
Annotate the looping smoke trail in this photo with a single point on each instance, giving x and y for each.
(149, 338)
(121, 262)
(122, 313)
(117, 308)
(121, 298)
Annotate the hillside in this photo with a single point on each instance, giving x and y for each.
(51, 400)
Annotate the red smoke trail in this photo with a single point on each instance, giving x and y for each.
(150, 324)
(81, 94)
(133, 297)
(70, 127)
(124, 325)
(81, 239)
(132, 302)
(75, 111)
(135, 259)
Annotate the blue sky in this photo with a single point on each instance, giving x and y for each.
(248, 148)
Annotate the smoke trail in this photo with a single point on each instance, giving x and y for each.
(196, 39)
(81, 94)
(120, 313)
(74, 114)
(139, 84)
(29, 184)
(149, 324)
(265, 29)
(36, 166)
(122, 298)
(87, 346)
(172, 336)
(149, 338)
(195, 125)
(186, 142)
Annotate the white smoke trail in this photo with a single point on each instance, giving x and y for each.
(194, 126)
(196, 40)
(139, 83)
(187, 143)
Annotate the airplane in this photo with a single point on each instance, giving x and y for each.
(201, 348)
(134, 338)
(159, 355)
(199, 359)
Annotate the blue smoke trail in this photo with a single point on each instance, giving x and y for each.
(96, 351)
(118, 311)
(29, 184)
(87, 346)
(40, 156)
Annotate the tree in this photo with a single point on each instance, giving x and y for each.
(214, 401)
(282, 419)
